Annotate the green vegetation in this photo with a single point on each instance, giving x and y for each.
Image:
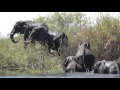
(15, 60)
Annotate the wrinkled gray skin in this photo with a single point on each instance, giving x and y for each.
(53, 39)
(38, 34)
(85, 57)
(19, 27)
(24, 27)
(106, 67)
(71, 65)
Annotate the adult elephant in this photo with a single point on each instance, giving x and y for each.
(85, 56)
(24, 27)
(54, 39)
(71, 65)
(106, 67)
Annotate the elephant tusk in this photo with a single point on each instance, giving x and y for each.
(9, 34)
(27, 41)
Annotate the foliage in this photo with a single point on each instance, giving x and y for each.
(78, 28)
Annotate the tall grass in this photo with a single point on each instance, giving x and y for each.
(14, 59)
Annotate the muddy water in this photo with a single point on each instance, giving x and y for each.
(68, 75)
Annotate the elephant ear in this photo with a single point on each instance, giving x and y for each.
(80, 45)
(45, 26)
(98, 64)
(101, 64)
(26, 23)
(66, 62)
(23, 26)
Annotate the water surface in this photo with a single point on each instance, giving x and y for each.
(67, 75)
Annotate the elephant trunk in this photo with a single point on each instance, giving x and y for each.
(12, 38)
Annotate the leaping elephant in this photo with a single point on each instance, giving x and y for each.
(85, 56)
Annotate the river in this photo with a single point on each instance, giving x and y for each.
(67, 75)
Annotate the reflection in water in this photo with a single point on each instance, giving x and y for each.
(69, 75)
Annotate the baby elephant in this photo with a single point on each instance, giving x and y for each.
(106, 67)
(71, 65)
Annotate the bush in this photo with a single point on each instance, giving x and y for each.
(78, 28)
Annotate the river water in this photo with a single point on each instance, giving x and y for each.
(68, 75)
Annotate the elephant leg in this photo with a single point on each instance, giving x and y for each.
(25, 45)
(49, 49)
(44, 42)
(87, 69)
(33, 42)
(83, 67)
(58, 50)
(90, 69)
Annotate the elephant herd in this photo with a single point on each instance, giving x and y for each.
(40, 32)
(83, 61)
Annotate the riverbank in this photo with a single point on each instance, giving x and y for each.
(15, 60)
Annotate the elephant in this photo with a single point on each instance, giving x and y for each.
(106, 67)
(85, 56)
(25, 27)
(38, 34)
(53, 39)
(71, 65)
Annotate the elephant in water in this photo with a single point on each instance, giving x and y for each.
(106, 67)
(85, 56)
(71, 65)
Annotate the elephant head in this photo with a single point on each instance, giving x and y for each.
(60, 41)
(98, 66)
(68, 60)
(71, 65)
(19, 27)
(106, 67)
(84, 44)
(85, 56)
